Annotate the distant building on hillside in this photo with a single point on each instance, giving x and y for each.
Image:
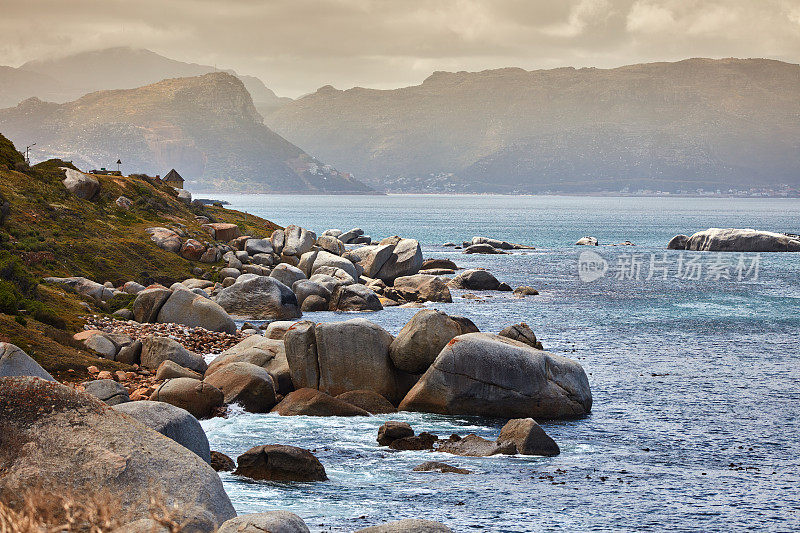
(174, 179)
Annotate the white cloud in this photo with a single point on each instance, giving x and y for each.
(646, 17)
(582, 14)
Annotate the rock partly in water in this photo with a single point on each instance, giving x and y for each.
(525, 290)
(442, 468)
(408, 526)
(274, 462)
(372, 402)
(678, 242)
(71, 443)
(742, 240)
(587, 241)
(355, 297)
(311, 402)
(392, 431)
(483, 249)
(474, 446)
(423, 288)
(488, 375)
(301, 353)
(221, 462)
(245, 384)
(172, 422)
(475, 280)
(528, 438)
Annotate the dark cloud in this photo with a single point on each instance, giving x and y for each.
(296, 46)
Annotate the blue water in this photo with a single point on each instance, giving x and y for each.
(696, 382)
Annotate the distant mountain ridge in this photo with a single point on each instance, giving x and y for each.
(67, 78)
(205, 126)
(683, 125)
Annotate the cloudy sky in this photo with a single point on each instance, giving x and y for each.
(296, 46)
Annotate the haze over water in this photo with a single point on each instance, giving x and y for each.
(694, 424)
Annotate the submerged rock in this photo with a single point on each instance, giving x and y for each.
(474, 446)
(442, 468)
(391, 431)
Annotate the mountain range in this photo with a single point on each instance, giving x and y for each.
(698, 123)
(67, 78)
(205, 126)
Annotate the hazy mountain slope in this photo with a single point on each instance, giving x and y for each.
(67, 78)
(696, 122)
(206, 127)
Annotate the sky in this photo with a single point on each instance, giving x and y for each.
(297, 46)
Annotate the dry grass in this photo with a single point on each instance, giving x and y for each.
(39, 511)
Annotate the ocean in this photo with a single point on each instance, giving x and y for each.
(693, 360)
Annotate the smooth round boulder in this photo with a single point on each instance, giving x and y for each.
(245, 384)
(327, 259)
(131, 354)
(475, 280)
(405, 260)
(258, 246)
(678, 242)
(423, 288)
(372, 402)
(331, 244)
(314, 303)
(192, 250)
(391, 431)
(193, 310)
(311, 402)
(156, 350)
(297, 240)
(274, 462)
(438, 263)
(300, 342)
(107, 391)
(269, 522)
(587, 241)
(75, 444)
(528, 438)
(170, 369)
(278, 239)
(525, 290)
(742, 240)
(14, 362)
(355, 297)
(259, 297)
(277, 329)
(269, 354)
(172, 422)
(487, 375)
(422, 338)
(199, 398)
(287, 274)
(82, 185)
(148, 303)
(166, 239)
(304, 288)
(523, 333)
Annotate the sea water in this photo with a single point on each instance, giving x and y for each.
(696, 378)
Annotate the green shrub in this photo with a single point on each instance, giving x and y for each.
(121, 301)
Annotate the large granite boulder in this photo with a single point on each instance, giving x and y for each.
(107, 391)
(354, 355)
(148, 303)
(300, 342)
(475, 280)
(81, 185)
(278, 239)
(259, 297)
(305, 288)
(269, 354)
(422, 338)
(297, 240)
(488, 375)
(223, 231)
(287, 274)
(409, 525)
(528, 438)
(331, 244)
(192, 250)
(327, 259)
(258, 246)
(678, 242)
(280, 463)
(171, 421)
(166, 239)
(156, 350)
(246, 384)
(199, 398)
(355, 297)
(370, 401)
(523, 333)
(405, 260)
(423, 288)
(269, 522)
(170, 369)
(742, 240)
(16, 363)
(84, 287)
(311, 402)
(190, 309)
(70, 442)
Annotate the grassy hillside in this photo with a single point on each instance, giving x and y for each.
(46, 231)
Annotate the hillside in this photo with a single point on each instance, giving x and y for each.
(206, 127)
(693, 123)
(64, 79)
(47, 231)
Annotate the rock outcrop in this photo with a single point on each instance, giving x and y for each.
(280, 463)
(259, 297)
(739, 240)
